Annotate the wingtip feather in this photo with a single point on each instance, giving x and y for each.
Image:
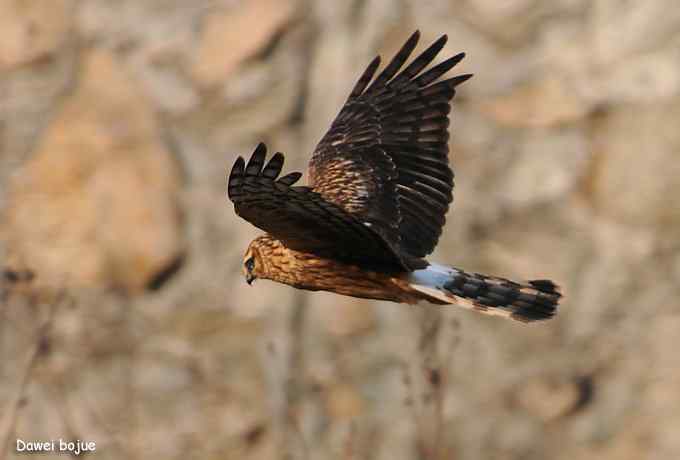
(397, 61)
(235, 173)
(256, 162)
(365, 78)
(441, 41)
(462, 78)
(274, 166)
(237, 169)
(290, 178)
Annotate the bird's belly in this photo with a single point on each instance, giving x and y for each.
(354, 281)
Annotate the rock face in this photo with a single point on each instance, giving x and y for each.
(627, 185)
(96, 204)
(225, 31)
(31, 30)
(566, 150)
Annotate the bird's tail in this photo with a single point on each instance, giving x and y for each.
(531, 301)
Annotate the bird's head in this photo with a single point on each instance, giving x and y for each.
(266, 258)
(253, 263)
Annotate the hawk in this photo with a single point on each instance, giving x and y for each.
(380, 187)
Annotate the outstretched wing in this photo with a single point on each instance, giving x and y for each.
(385, 157)
(301, 218)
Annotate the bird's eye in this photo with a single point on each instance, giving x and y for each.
(250, 263)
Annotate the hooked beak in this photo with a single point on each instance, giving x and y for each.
(250, 278)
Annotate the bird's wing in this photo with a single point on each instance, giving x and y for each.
(301, 218)
(385, 157)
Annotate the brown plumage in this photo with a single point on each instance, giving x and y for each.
(380, 187)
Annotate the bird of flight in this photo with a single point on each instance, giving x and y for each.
(380, 186)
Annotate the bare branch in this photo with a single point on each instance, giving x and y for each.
(425, 385)
(38, 349)
(285, 363)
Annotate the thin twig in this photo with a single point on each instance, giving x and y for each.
(11, 416)
(426, 386)
(296, 370)
(285, 362)
(349, 450)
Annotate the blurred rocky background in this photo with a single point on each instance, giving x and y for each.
(118, 123)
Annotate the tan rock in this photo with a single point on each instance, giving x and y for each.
(635, 174)
(230, 37)
(540, 103)
(344, 402)
(30, 30)
(548, 399)
(95, 204)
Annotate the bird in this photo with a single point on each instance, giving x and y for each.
(379, 188)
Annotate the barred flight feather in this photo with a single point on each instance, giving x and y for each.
(533, 301)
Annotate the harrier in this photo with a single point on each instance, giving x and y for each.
(380, 186)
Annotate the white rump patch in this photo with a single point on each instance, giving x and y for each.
(431, 280)
(434, 275)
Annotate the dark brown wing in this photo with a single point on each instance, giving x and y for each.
(301, 218)
(385, 157)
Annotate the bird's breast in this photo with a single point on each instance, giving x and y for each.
(313, 273)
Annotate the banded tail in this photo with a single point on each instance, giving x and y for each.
(534, 301)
